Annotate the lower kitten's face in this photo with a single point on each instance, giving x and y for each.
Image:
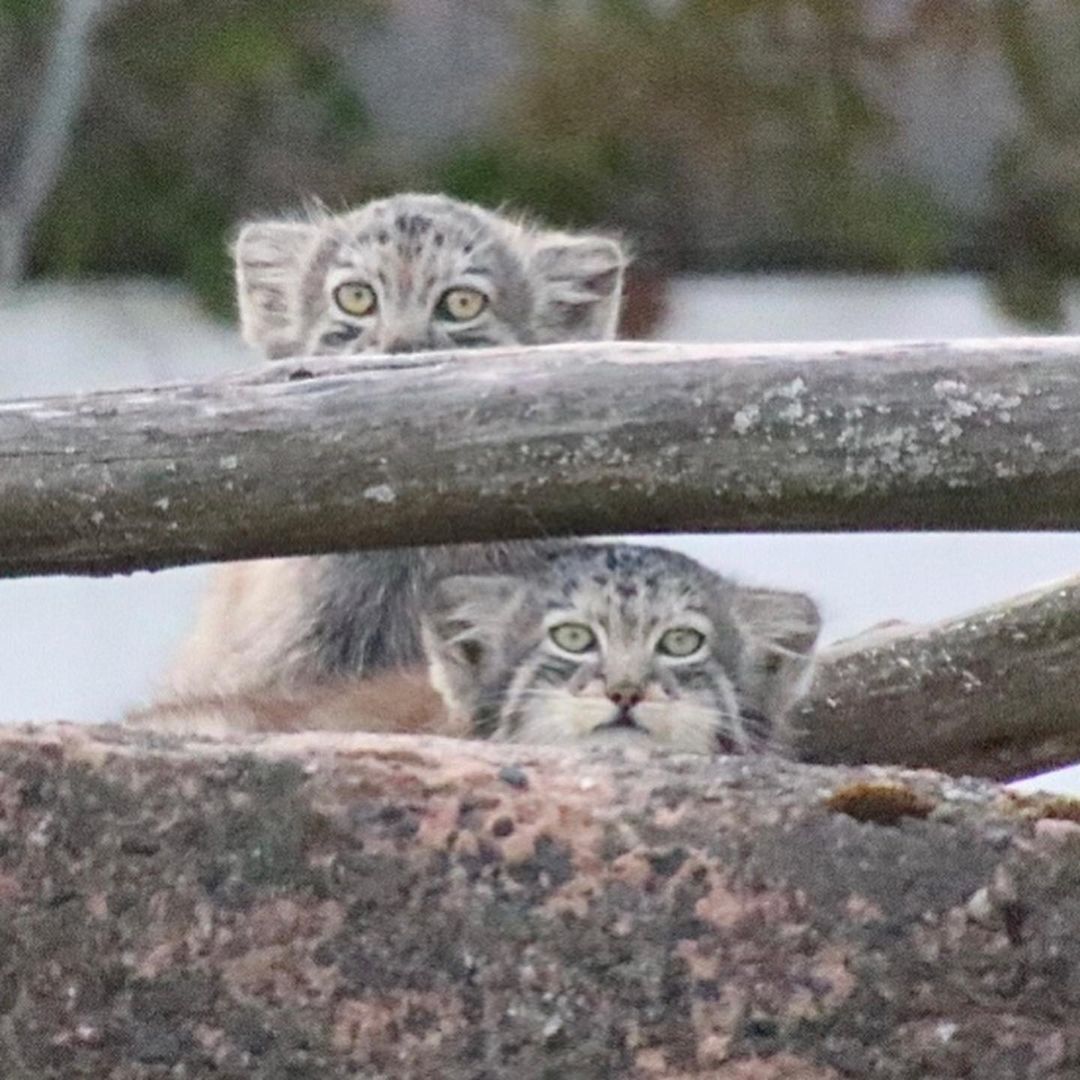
(623, 662)
(615, 644)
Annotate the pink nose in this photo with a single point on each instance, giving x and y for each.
(624, 696)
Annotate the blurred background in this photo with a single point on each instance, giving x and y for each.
(784, 169)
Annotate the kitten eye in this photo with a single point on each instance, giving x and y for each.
(460, 305)
(355, 298)
(574, 637)
(680, 641)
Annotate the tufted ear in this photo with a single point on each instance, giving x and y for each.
(579, 287)
(778, 662)
(269, 258)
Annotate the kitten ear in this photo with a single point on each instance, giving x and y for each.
(268, 258)
(789, 620)
(579, 287)
(463, 615)
(463, 627)
(777, 666)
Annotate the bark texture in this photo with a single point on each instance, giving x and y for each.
(321, 455)
(992, 693)
(331, 907)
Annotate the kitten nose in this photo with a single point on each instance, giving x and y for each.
(401, 345)
(623, 693)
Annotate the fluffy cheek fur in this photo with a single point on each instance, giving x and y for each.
(695, 721)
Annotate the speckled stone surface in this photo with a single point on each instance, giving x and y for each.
(307, 907)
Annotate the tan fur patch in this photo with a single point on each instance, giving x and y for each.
(248, 619)
(395, 701)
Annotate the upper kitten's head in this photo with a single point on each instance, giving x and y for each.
(609, 642)
(419, 272)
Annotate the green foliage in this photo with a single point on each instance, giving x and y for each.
(150, 216)
(200, 114)
(25, 13)
(716, 133)
(570, 182)
(1032, 242)
(1029, 293)
(641, 113)
(891, 225)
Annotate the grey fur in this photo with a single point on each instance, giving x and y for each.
(541, 286)
(364, 606)
(296, 621)
(493, 659)
(359, 613)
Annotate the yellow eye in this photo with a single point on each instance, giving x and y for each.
(680, 641)
(355, 298)
(573, 637)
(462, 304)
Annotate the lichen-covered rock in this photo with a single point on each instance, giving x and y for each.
(359, 906)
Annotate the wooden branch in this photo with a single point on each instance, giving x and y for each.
(338, 907)
(993, 693)
(583, 439)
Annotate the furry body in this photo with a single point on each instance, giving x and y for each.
(411, 272)
(278, 624)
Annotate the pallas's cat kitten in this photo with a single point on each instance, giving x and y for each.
(594, 643)
(406, 273)
(617, 643)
